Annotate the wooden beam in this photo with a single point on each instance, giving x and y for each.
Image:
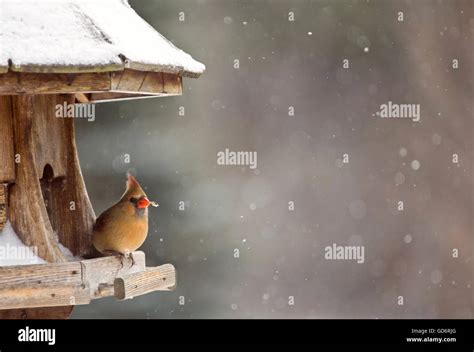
(82, 98)
(14, 83)
(161, 278)
(66, 69)
(44, 295)
(60, 312)
(76, 283)
(127, 81)
(153, 82)
(102, 271)
(41, 274)
(89, 87)
(141, 82)
(172, 84)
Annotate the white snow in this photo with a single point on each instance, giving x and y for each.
(85, 33)
(66, 252)
(13, 251)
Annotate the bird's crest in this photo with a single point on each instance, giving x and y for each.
(133, 188)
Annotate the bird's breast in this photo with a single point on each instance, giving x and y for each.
(121, 231)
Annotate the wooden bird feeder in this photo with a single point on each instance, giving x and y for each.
(69, 52)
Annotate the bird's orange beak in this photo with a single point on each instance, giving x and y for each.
(143, 203)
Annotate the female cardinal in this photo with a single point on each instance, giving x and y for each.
(123, 227)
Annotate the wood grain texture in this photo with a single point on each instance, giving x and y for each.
(7, 161)
(62, 312)
(14, 83)
(105, 270)
(27, 212)
(128, 81)
(3, 205)
(161, 278)
(153, 82)
(44, 295)
(172, 84)
(42, 274)
(82, 98)
(66, 69)
(132, 81)
(75, 283)
(48, 134)
(102, 86)
(72, 215)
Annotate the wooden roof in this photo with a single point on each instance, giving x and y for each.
(77, 36)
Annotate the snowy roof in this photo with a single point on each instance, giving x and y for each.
(84, 36)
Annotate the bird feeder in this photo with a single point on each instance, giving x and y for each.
(64, 53)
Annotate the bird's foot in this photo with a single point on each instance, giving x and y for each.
(129, 255)
(120, 256)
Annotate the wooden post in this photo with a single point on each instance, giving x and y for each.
(7, 159)
(3, 205)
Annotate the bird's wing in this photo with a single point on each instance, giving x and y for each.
(102, 220)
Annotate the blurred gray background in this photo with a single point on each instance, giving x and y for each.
(299, 64)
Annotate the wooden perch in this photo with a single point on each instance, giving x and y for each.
(161, 278)
(77, 283)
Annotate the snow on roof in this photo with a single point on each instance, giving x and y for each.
(84, 36)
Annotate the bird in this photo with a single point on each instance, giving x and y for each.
(122, 228)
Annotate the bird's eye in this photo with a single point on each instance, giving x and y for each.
(133, 200)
